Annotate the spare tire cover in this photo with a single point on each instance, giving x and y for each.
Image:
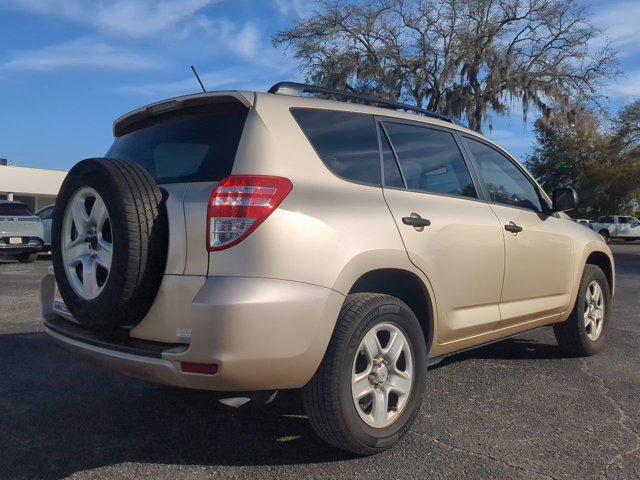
(109, 242)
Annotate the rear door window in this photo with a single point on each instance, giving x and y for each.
(198, 144)
(346, 142)
(14, 210)
(430, 160)
(606, 220)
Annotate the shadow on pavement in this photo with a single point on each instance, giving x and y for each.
(509, 349)
(60, 416)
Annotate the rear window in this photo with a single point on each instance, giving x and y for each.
(346, 142)
(14, 210)
(192, 145)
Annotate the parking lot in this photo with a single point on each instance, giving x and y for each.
(515, 409)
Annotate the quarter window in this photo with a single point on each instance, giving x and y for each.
(346, 142)
(430, 160)
(503, 180)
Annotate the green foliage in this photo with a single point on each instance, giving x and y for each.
(603, 167)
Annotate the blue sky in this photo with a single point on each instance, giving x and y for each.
(68, 68)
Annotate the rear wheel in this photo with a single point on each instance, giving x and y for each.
(367, 391)
(27, 257)
(584, 333)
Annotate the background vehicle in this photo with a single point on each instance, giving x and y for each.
(584, 221)
(45, 216)
(21, 232)
(245, 241)
(618, 227)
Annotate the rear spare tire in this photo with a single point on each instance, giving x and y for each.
(110, 238)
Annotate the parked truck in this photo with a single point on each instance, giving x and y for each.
(620, 227)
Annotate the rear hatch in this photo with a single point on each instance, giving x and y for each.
(17, 221)
(188, 145)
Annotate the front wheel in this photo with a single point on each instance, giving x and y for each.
(367, 391)
(584, 332)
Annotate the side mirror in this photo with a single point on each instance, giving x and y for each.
(564, 199)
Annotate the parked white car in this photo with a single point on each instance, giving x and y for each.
(622, 227)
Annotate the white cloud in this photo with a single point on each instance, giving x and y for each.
(298, 7)
(619, 20)
(117, 17)
(246, 43)
(625, 89)
(81, 53)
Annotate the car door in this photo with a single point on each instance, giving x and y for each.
(539, 256)
(45, 216)
(449, 231)
(634, 227)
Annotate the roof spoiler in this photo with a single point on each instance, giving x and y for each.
(178, 103)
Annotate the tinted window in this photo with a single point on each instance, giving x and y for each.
(392, 177)
(606, 220)
(192, 145)
(45, 213)
(346, 142)
(14, 210)
(430, 160)
(623, 219)
(504, 181)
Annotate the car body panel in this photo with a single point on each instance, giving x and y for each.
(463, 232)
(539, 264)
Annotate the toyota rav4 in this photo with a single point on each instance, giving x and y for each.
(252, 242)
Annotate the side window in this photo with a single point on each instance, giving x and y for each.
(430, 160)
(606, 220)
(392, 177)
(346, 142)
(623, 219)
(504, 181)
(46, 213)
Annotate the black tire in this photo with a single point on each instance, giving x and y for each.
(572, 334)
(140, 239)
(604, 233)
(327, 398)
(27, 257)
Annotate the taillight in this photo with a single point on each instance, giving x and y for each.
(239, 204)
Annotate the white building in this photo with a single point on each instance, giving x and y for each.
(35, 187)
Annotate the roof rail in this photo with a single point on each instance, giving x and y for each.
(294, 88)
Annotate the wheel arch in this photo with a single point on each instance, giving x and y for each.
(603, 261)
(406, 286)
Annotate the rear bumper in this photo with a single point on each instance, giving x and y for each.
(263, 334)
(29, 245)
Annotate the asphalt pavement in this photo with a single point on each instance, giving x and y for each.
(516, 409)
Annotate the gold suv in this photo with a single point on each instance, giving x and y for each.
(251, 242)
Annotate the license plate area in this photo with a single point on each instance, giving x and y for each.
(15, 240)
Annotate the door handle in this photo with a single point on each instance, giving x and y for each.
(417, 222)
(512, 227)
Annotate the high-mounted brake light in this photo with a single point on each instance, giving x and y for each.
(239, 204)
